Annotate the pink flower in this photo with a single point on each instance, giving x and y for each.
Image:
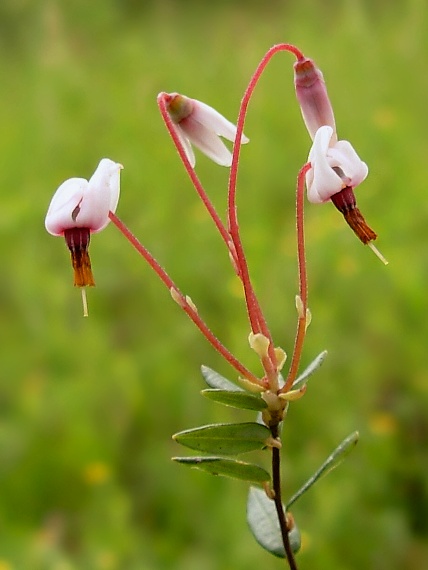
(80, 207)
(335, 165)
(336, 169)
(196, 123)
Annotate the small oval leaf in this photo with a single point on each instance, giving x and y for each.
(217, 381)
(313, 366)
(227, 439)
(227, 468)
(235, 399)
(263, 522)
(332, 461)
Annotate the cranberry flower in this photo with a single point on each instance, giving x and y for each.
(196, 123)
(80, 207)
(336, 169)
(335, 165)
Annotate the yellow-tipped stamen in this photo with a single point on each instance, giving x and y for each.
(377, 253)
(84, 302)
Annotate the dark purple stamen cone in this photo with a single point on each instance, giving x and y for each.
(78, 242)
(345, 202)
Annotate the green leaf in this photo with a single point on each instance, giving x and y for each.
(227, 439)
(227, 467)
(217, 381)
(313, 366)
(263, 521)
(236, 399)
(332, 461)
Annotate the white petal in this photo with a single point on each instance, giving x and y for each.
(207, 141)
(63, 205)
(322, 182)
(185, 144)
(344, 156)
(214, 121)
(101, 196)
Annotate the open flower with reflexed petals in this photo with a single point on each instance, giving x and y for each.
(199, 124)
(336, 169)
(79, 208)
(335, 165)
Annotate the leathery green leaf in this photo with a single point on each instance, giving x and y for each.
(332, 461)
(235, 399)
(227, 439)
(263, 522)
(227, 467)
(217, 381)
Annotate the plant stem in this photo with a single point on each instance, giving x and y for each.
(183, 301)
(257, 320)
(193, 176)
(276, 483)
(303, 280)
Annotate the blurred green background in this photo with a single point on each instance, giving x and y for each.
(88, 406)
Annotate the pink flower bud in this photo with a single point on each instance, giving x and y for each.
(312, 95)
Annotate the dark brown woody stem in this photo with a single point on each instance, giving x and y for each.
(276, 483)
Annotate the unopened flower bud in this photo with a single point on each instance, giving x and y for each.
(312, 96)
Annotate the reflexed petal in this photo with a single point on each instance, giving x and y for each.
(333, 167)
(207, 141)
(344, 156)
(81, 204)
(321, 180)
(101, 196)
(186, 144)
(213, 120)
(64, 202)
